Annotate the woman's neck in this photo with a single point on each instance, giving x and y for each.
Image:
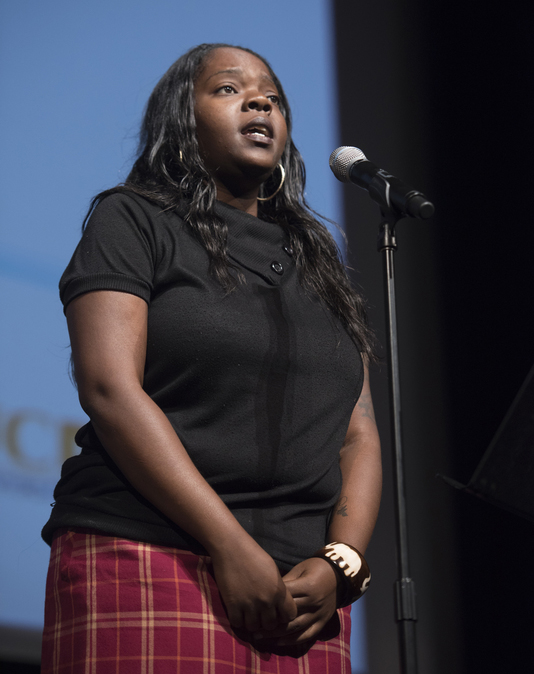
(244, 202)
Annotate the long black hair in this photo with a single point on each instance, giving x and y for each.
(169, 169)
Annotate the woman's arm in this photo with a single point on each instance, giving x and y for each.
(355, 514)
(108, 332)
(313, 582)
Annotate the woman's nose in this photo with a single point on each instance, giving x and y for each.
(259, 102)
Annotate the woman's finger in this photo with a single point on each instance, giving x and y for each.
(252, 620)
(235, 616)
(295, 626)
(288, 610)
(297, 638)
(269, 619)
(302, 591)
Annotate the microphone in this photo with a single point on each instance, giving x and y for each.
(349, 164)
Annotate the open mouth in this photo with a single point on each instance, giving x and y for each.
(259, 130)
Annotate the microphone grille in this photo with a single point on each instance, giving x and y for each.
(342, 159)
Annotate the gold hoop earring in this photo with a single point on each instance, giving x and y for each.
(181, 156)
(283, 173)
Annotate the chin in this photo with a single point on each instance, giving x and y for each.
(259, 170)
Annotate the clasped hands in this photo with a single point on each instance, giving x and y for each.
(270, 609)
(312, 585)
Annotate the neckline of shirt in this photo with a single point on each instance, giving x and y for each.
(259, 246)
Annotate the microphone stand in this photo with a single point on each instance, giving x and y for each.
(405, 601)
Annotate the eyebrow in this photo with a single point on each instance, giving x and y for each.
(239, 71)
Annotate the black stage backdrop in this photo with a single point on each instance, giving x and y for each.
(441, 95)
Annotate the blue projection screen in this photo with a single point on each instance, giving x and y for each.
(74, 77)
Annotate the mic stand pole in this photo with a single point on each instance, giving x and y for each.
(404, 587)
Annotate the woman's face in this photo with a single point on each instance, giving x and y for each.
(240, 129)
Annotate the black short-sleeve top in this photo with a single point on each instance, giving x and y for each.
(259, 383)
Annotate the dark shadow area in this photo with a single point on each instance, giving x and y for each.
(440, 94)
(481, 101)
(9, 667)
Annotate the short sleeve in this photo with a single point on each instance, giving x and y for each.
(117, 250)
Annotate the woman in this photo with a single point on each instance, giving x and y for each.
(216, 346)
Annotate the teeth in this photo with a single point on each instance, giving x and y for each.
(259, 132)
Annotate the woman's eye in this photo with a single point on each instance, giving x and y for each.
(227, 89)
(275, 99)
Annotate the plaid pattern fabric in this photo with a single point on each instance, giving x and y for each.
(115, 606)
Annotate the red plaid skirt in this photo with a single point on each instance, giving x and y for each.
(115, 606)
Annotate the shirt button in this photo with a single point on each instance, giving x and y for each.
(277, 267)
(288, 250)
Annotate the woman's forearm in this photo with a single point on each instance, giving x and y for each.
(355, 513)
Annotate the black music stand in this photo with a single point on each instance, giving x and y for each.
(505, 474)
